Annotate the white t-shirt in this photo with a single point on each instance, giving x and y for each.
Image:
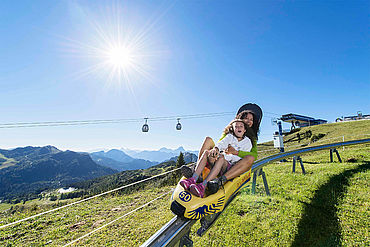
(244, 145)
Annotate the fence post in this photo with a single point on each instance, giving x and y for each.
(343, 141)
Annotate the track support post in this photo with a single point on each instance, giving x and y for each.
(260, 172)
(296, 159)
(337, 153)
(206, 222)
(186, 241)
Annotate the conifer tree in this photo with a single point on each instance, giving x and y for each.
(180, 162)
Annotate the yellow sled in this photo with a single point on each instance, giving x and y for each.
(186, 205)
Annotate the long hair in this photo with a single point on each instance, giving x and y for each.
(248, 132)
(256, 125)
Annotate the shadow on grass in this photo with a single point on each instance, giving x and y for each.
(311, 162)
(319, 225)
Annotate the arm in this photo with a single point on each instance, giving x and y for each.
(227, 129)
(253, 152)
(240, 167)
(244, 164)
(222, 136)
(243, 152)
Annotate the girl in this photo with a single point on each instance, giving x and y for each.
(237, 139)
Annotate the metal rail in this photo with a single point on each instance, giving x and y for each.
(171, 233)
(263, 162)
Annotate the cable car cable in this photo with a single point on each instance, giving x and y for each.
(110, 121)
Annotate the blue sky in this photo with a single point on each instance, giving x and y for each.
(190, 57)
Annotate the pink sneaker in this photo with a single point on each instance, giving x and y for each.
(197, 189)
(187, 182)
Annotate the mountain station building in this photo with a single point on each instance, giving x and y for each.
(359, 116)
(301, 121)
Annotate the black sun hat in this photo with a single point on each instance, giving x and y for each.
(255, 109)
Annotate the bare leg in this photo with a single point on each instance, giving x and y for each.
(221, 163)
(240, 167)
(202, 162)
(189, 182)
(208, 144)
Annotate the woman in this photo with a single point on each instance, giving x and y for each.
(251, 114)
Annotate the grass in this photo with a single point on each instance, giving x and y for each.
(326, 207)
(4, 206)
(6, 162)
(333, 132)
(329, 206)
(63, 226)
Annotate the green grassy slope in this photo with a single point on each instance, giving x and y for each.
(6, 162)
(323, 134)
(329, 206)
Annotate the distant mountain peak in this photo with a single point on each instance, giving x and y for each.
(127, 155)
(180, 149)
(116, 151)
(48, 149)
(115, 154)
(167, 150)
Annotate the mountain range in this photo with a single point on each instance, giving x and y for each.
(25, 172)
(119, 160)
(160, 155)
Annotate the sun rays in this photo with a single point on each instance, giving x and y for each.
(116, 47)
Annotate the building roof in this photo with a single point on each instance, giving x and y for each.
(291, 117)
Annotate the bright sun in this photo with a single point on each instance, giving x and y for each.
(121, 51)
(120, 57)
(122, 61)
